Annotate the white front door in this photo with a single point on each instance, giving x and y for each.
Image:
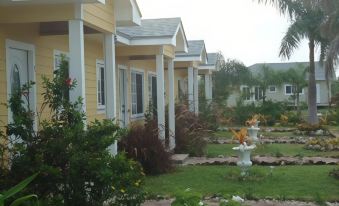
(18, 72)
(318, 93)
(123, 97)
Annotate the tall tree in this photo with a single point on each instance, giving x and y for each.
(306, 18)
(230, 76)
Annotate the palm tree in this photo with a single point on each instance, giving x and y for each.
(306, 18)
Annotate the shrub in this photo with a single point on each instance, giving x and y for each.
(190, 132)
(127, 183)
(208, 112)
(188, 199)
(323, 144)
(143, 145)
(74, 163)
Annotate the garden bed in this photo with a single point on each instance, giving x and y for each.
(275, 150)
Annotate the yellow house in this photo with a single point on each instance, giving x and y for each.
(143, 52)
(34, 34)
(187, 66)
(214, 62)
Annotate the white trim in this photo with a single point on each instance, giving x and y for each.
(101, 109)
(121, 66)
(142, 72)
(30, 48)
(187, 58)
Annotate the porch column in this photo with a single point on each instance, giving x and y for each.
(208, 87)
(171, 105)
(190, 89)
(211, 87)
(77, 60)
(196, 92)
(110, 83)
(161, 96)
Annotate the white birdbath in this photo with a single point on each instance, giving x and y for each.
(253, 134)
(244, 153)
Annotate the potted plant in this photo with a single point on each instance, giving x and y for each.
(253, 129)
(244, 150)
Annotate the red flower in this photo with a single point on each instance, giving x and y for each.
(69, 82)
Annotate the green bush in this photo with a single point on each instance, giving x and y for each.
(75, 165)
(188, 199)
(127, 183)
(335, 173)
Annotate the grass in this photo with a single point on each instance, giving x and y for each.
(287, 182)
(213, 150)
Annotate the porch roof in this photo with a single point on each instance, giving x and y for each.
(165, 31)
(196, 52)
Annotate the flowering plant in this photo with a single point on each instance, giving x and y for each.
(241, 135)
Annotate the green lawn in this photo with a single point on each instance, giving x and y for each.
(289, 182)
(213, 150)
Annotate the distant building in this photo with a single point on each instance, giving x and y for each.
(284, 92)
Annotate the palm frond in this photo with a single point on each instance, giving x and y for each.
(289, 7)
(332, 56)
(292, 39)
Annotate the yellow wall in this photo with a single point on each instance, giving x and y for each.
(36, 13)
(100, 16)
(44, 54)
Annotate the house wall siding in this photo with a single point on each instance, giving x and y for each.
(44, 59)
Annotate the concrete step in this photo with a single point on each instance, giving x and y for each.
(179, 158)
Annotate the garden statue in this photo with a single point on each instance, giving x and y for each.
(244, 151)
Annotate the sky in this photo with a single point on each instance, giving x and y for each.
(240, 29)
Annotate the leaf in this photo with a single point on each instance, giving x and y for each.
(17, 188)
(21, 200)
(2, 200)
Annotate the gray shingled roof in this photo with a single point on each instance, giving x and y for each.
(319, 69)
(212, 58)
(166, 27)
(195, 48)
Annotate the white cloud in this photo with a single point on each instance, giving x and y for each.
(241, 29)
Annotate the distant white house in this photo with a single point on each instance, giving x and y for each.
(284, 92)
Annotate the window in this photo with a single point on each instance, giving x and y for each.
(137, 93)
(289, 90)
(101, 85)
(246, 92)
(272, 89)
(258, 93)
(152, 93)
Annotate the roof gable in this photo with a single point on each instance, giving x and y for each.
(165, 31)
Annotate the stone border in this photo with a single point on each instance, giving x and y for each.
(264, 160)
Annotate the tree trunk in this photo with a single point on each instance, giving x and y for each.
(298, 105)
(312, 91)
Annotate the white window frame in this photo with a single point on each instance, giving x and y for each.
(241, 92)
(140, 72)
(259, 89)
(99, 64)
(302, 91)
(57, 54)
(272, 86)
(149, 83)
